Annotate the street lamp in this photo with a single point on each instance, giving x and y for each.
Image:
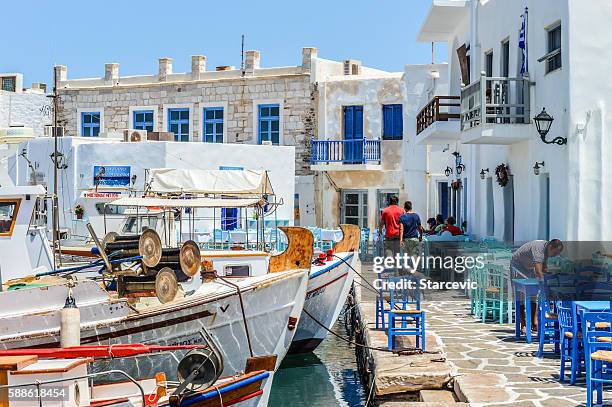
(482, 172)
(543, 121)
(536, 167)
(448, 171)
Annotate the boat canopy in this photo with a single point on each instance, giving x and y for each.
(188, 202)
(224, 182)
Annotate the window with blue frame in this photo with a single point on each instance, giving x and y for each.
(269, 124)
(213, 125)
(393, 123)
(90, 124)
(143, 120)
(229, 216)
(178, 123)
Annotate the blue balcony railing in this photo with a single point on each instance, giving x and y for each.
(360, 151)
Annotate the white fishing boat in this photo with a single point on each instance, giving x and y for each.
(62, 377)
(251, 308)
(330, 280)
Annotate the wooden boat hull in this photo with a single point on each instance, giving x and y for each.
(328, 287)
(269, 302)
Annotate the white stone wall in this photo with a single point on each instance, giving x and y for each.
(239, 96)
(25, 109)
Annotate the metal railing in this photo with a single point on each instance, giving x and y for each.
(506, 101)
(359, 151)
(440, 108)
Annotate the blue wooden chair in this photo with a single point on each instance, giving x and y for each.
(383, 298)
(548, 325)
(571, 340)
(405, 308)
(598, 352)
(493, 300)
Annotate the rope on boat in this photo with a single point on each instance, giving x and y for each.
(244, 320)
(96, 263)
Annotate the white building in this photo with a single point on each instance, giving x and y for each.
(80, 182)
(568, 61)
(29, 109)
(357, 156)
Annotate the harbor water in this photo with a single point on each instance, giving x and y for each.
(328, 377)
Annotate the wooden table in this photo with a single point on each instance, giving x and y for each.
(528, 287)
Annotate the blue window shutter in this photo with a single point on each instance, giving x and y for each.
(358, 122)
(398, 124)
(348, 122)
(393, 125)
(229, 216)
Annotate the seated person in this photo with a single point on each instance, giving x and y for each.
(450, 227)
(431, 226)
(439, 224)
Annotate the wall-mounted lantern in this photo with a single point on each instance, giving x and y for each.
(483, 172)
(459, 167)
(543, 121)
(448, 171)
(537, 166)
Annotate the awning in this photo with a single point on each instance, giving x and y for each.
(221, 182)
(157, 203)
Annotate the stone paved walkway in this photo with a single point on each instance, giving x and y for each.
(496, 369)
(490, 367)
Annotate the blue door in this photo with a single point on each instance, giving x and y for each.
(353, 134)
(229, 216)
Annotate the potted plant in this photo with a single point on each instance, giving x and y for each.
(79, 211)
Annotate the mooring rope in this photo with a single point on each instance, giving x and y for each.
(396, 351)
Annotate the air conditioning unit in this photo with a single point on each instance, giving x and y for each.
(48, 131)
(112, 134)
(134, 135)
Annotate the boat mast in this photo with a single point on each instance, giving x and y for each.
(55, 204)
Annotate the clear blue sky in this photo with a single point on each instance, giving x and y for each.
(135, 33)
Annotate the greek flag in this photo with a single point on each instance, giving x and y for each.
(522, 43)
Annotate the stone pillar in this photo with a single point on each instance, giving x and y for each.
(165, 69)
(111, 74)
(198, 66)
(308, 53)
(62, 72)
(251, 61)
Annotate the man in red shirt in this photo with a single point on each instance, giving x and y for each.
(450, 226)
(389, 219)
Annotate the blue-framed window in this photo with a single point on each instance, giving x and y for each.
(90, 124)
(229, 216)
(143, 120)
(178, 123)
(213, 125)
(269, 124)
(393, 123)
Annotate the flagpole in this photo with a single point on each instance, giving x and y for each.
(526, 36)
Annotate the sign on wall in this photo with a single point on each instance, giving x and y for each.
(112, 175)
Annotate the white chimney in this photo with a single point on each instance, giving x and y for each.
(251, 61)
(165, 69)
(198, 66)
(111, 74)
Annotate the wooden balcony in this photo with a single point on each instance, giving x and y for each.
(439, 109)
(494, 110)
(326, 154)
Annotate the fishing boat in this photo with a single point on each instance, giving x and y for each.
(250, 314)
(329, 283)
(51, 377)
